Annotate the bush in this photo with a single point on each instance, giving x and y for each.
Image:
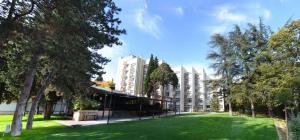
(294, 127)
(214, 103)
(86, 104)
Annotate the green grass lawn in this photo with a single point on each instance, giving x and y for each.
(187, 127)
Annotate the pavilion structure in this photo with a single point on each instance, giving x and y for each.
(115, 103)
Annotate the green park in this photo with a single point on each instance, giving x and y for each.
(149, 70)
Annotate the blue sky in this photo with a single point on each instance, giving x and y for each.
(178, 31)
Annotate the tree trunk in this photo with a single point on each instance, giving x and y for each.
(36, 100)
(286, 121)
(252, 108)
(270, 111)
(33, 110)
(16, 126)
(230, 108)
(48, 110)
(162, 97)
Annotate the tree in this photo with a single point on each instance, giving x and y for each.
(256, 41)
(51, 98)
(237, 58)
(12, 16)
(264, 84)
(223, 65)
(164, 76)
(284, 46)
(111, 85)
(36, 99)
(148, 86)
(55, 27)
(99, 78)
(214, 103)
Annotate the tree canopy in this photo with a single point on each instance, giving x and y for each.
(57, 38)
(164, 76)
(149, 86)
(259, 68)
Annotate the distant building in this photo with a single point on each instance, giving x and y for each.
(130, 75)
(59, 107)
(192, 92)
(192, 95)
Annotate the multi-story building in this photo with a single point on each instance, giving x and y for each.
(130, 75)
(191, 95)
(191, 91)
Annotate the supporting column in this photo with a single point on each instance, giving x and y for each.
(140, 114)
(174, 102)
(166, 103)
(114, 104)
(104, 105)
(108, 115)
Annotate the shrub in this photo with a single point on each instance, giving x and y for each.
(294, 127)
(214, 103)
(86, 104)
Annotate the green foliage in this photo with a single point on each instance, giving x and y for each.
(86, 104)
(214, 103)
(294, 127)
(52, 96)
(149, 87)
(258, 67)
(99, 78)
(224, 63)
(76, 28)
(112, 85)
(164, 76)
(60, 38)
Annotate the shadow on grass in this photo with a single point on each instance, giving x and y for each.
(187, 126)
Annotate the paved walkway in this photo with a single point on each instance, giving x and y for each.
(112, 120)
(280, 128)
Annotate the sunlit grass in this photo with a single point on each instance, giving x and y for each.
(193, 126)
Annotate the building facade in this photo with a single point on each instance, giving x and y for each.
(130, 75)
(191, 95)
(59, 107)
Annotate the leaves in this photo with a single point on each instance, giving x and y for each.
(164, 76)
(149, 86)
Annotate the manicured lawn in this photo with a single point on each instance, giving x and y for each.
(186, 127)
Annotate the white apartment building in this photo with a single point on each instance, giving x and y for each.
(130, 75)
(192, 92)
(191, 95)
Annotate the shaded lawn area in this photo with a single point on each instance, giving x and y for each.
(187, 127)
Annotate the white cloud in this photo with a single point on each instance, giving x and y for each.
(179, 11)
(267, 14)
(113, 53)
(147, 22)
(225, 13)
(240, 14)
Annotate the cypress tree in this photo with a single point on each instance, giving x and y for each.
(214, 103)
(148, 87)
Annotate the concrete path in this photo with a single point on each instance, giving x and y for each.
(112, 120)
(280, 128)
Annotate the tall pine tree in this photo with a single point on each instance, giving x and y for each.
(148, 86)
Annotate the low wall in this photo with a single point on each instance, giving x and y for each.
(58, 108)
(84, 115)
(6, 112)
